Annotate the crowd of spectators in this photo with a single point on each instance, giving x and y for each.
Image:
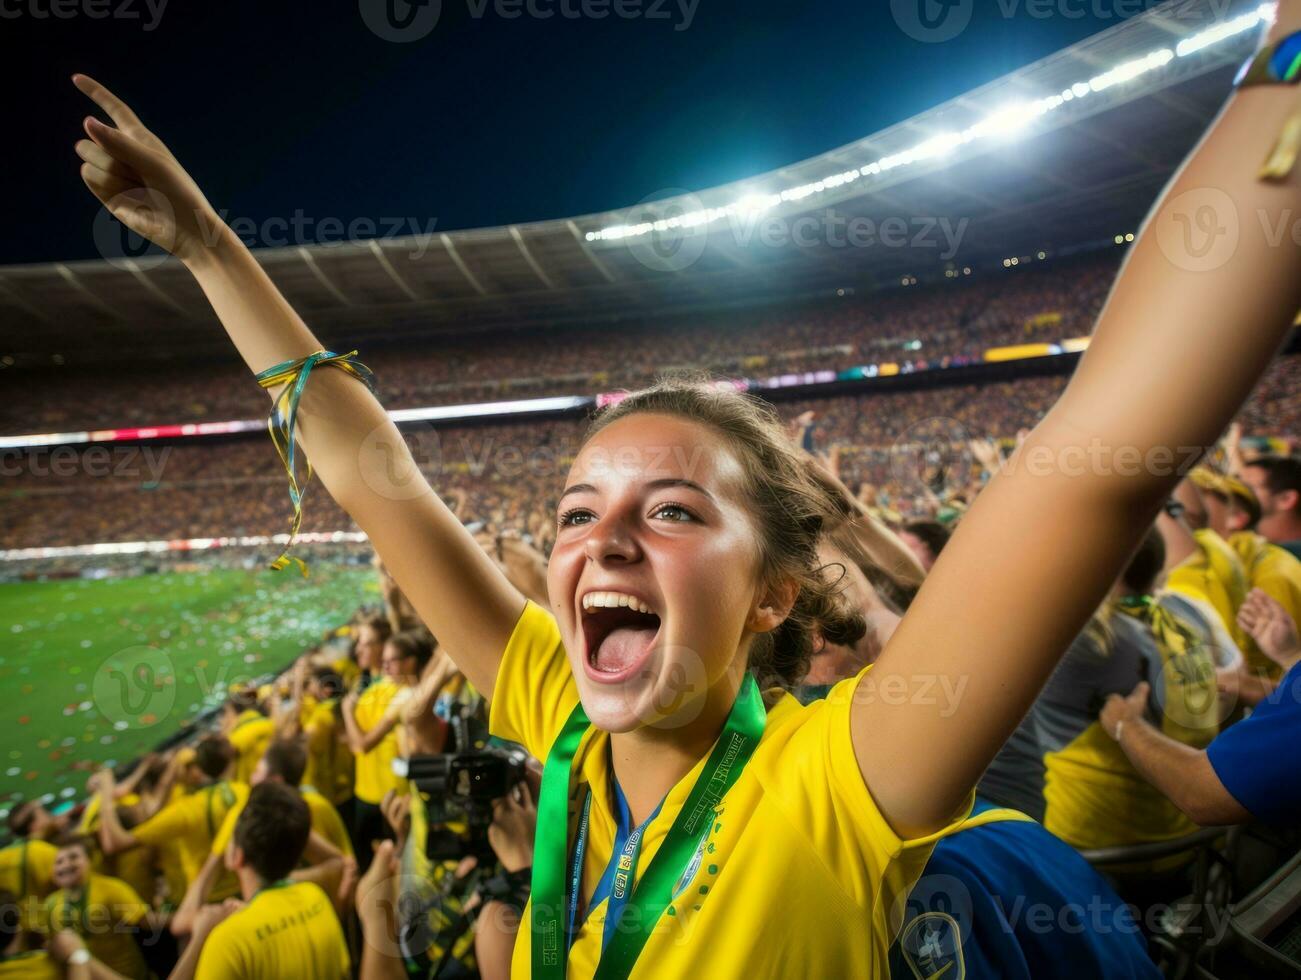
(959, 321)
(896, 442)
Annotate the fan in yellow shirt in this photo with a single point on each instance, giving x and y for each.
(27, 865)
(248, 730)
(106, 912)
(282, 929)
(183, 830)
(372, 721)
(1234, 512)
(329, 759)
(20, 956)
(284, 762)
(781, 828)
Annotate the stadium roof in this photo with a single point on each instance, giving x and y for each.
(1061, 155)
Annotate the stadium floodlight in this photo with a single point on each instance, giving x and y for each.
(1007, 121)
(1221, 32)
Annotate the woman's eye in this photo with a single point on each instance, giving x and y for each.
(573, 518)
(672, 512)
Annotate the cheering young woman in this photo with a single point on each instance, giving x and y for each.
(689, 822)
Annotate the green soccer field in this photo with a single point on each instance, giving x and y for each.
(100, 671)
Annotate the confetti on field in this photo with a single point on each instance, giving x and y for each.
(85, 649)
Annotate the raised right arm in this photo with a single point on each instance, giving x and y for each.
(353, 445)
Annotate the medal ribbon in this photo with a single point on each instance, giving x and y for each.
(654, 892)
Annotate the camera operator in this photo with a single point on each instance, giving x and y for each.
(514, 820)
(495, 907)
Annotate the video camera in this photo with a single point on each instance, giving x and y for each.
(470, 779)
(462, 786)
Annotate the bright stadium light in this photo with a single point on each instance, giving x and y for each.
(1006, 121)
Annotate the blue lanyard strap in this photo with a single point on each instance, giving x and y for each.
(576, 871)
(616, 884)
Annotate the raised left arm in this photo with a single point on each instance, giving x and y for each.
(1044, 543)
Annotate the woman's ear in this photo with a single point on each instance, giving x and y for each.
(774, 604)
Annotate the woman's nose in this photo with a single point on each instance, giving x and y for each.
(612, 540)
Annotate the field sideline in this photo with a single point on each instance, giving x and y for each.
(100, 671)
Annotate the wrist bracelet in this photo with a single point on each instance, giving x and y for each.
(1277, 64)
(284, 417)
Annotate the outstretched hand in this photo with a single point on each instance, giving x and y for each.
(138, 180)
(1270, 625)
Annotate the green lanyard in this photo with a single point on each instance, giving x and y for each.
(653, 894)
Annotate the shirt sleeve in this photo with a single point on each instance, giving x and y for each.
(226, 831)
(125, 903)
(1255, 760)
(220, 958)
(535, 690)
(816, 779)
(169, 823)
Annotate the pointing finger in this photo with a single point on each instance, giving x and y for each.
(117, 110)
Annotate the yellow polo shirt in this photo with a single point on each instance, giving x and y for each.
(251, 735)
(798, 873)
(183, 832)
(102, 919)
(325, 821)
(285, 930)
(34, 965)
(329, 762)
(1277, 573)
(27, 870)
(1215, 575)
(375, 775)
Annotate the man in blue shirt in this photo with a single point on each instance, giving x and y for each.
(1250, 771)
(1002, 897)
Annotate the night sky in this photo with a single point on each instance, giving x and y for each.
(282, 108)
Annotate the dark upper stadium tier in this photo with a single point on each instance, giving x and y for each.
(1063, 154)
(1041, 301)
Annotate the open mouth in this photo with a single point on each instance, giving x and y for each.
(620, 631)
